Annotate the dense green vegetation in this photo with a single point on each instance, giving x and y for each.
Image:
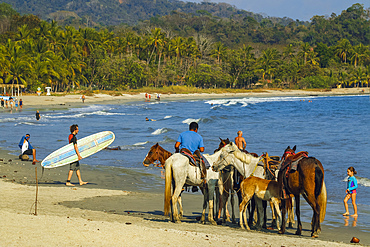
(183, 49)
(115, 12)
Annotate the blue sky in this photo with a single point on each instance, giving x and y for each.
(295, 9)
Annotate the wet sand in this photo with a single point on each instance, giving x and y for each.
(113, 210)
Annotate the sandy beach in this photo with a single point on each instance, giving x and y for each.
(44, 102)
(111, 210)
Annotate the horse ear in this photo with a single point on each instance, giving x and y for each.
(295, 147)
(220, 139)
(288, 147)
(156, 144)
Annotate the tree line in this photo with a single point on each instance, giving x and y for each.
(38, 53)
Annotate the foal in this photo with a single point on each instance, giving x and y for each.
(267, 190)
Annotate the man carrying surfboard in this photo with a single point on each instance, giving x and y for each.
(74, 166)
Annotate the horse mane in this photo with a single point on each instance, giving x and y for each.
(164, 150)
(244, 157)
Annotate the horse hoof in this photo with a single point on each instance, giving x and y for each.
(214, 223)
(290, 225)
(298, 233)
(314, 235)
(281, 231)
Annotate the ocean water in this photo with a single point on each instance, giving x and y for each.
(333, 129)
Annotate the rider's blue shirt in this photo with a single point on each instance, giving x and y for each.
(190, 140)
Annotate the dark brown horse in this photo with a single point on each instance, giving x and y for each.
(156, 153)
(306, 180)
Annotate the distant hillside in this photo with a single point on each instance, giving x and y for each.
(115, 12)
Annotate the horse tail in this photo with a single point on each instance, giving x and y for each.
(168, 183)
(320, 190)
(319, 178)
(322, 202)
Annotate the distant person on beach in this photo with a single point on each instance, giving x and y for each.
(2, 102)
(83, 98)
(75, 166)
(191, 141)
(148, 119)
(26, 148)
(20, 103)
(37, 115)
(146, 96)
(351, 191)
(240, 141)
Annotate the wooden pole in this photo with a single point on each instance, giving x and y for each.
(37, 190)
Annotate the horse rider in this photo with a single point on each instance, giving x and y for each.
(191, 142)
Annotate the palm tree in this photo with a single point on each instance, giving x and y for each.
(343, 48)
(155, 40)
(19, 68)
(269, 62)
(72, 65)
(358, 76)
(305, 51)
(87, 40)
(177, 47)
(219, 52)
(358, 53)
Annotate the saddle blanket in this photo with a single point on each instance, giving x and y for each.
(294, 164)
(193, 162)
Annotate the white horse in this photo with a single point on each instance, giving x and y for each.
(247, 165)
(179, 172)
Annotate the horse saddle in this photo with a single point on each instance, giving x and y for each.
(194, 159)
(292, 161)
(270, 165)
(289, 165)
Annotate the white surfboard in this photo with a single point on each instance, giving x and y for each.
(86, 146)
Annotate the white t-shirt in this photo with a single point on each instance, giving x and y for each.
(24, 146)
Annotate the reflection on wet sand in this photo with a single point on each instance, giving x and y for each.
(347, 220)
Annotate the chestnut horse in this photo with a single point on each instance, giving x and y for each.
(308, 180)
(156, 153)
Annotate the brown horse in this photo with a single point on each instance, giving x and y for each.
(156, 153)
(307, 179)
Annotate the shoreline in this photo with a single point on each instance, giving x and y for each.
(98, 213)
(73, 100)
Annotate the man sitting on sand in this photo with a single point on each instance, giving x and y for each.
(74, 166)
(240, 141)
(26, 148)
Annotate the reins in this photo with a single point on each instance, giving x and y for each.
(232, 193)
